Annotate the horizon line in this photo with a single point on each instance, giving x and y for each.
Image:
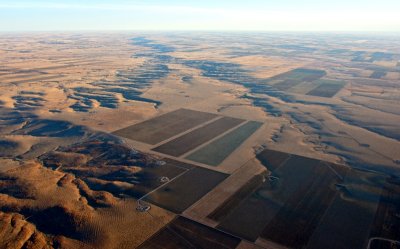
(203, 30)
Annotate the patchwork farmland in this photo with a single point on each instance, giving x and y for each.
(300, 200)
(215, 152)
(228, 140)
(306, 81)
(191, 140)
(199, 137)
(158, 129)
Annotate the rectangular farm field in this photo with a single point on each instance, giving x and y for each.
(327, 89)
(215, 152)
(195, 138)
(285, 209)
(349, 220)
(160, 128)
(150, 177)
(184, 233)
(233, 201)
(378, 74)
(272, 159)
(185, 190)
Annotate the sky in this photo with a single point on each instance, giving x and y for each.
(227, 15)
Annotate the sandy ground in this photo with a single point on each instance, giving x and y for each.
(108, 227)
(8, 164)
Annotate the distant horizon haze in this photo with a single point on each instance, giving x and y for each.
(179, 15)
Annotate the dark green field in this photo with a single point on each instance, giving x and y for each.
(251, 217)
(233, 201)
(292, 78)
(298, 217)
(387, 220)
(193, 139)
(327, 88)
(313, 204)
(378, 74)
(184, 191)
(324, 87)
(183, 233)
(272, 159)
(348, 221)
(216, 152)
(286, 84)
(158, 129)
(150, 177)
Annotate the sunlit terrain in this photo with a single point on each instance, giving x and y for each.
(199, 140)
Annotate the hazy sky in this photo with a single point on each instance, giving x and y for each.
(268, 15)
